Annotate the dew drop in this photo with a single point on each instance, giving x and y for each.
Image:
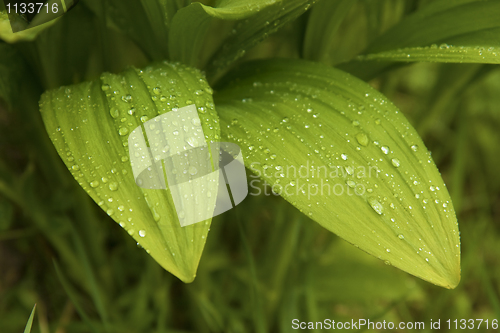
(123, 131)
(376, 205)
(192, 170)
(414, 148)
(114, 113)
(192, 141)
(362, 139)
(94, 183)
(385, 149)
(113, 186)
(396, 163)
(344, 157)
(142, 233)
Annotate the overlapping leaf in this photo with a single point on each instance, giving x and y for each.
(257, 20)
(7, 35)
(89, 124)
(346, 157)
(444, 31)
(190, 25)
(146, 22)
(322, 25)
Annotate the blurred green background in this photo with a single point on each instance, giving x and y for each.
(265, 263)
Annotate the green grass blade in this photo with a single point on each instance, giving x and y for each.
(74, 298)
(27, 329)
(373, 183)
(89, 124)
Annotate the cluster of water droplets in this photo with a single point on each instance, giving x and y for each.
(105, 172)
(448, 53)
(366, 131)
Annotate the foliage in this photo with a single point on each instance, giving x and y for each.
(76, 85)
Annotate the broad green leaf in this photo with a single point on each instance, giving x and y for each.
(445, 31)
(27, 329)
(89, 124)
(190, 25)
(346, 157)
(323, 23)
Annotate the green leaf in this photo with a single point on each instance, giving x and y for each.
(323, 23)
(373, 184)
(250, 32)
(144, 21)
(445, 31)
(27, 329)
(89, 124)
(191, 24)
(7, 35)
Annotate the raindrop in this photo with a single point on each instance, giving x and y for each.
(114, 113)
(377, 206)
(113, 186)
(123, 131)
(94, 183)
(362, 139)
(385, 149)
(396, 163)
(344, 157)
(142, 233)
(192, 170)
(192, 141)
(414, 148)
